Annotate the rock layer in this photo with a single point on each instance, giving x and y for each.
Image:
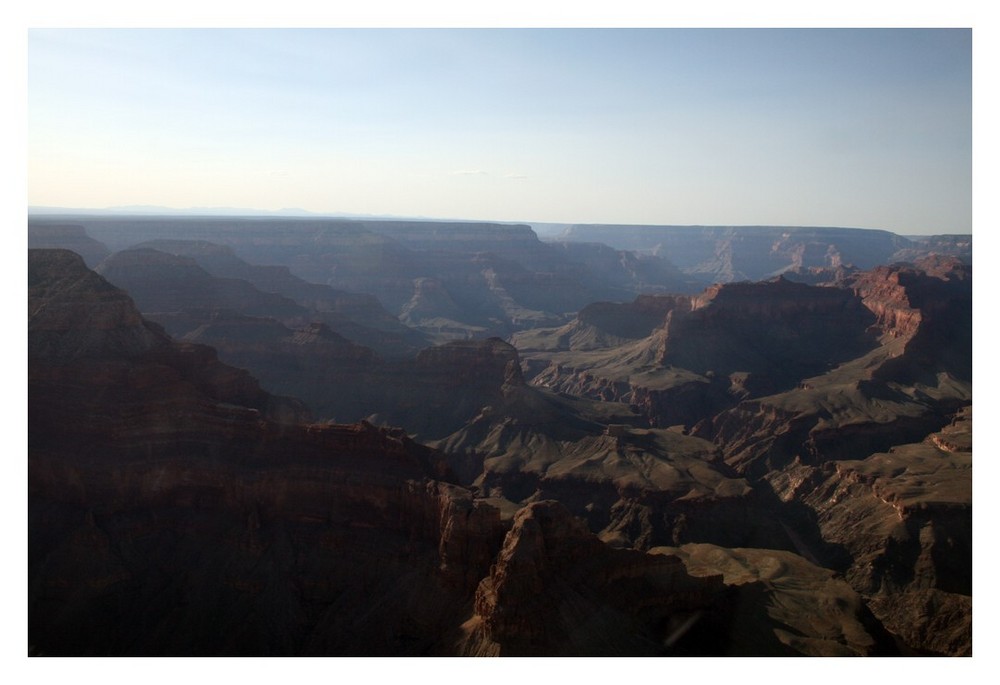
(815, 499)
(175, 508)
(557, 590)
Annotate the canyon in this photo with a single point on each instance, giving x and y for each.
(330, 437)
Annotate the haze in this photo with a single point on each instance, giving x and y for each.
(823, 127)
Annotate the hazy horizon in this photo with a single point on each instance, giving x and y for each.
(867, 128)
(181, 213)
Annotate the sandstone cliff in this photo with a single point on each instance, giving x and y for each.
(732, 342)
(900, 391)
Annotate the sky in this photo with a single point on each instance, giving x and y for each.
(824, 127)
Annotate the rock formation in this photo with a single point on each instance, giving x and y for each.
(557, 590)
(359, 317)
(174, 508)
(736, 253)
(829, 398)
(771, 468)
(904, 517)
(177, 293)
(488, 279)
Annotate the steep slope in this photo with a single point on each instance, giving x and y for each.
(493, 279)
(177, 293)
(600, 325)
(633, 486)
(82, 326)
(176, 508)
(431, 393)
(903, 390)
(905, 518)
(906, 325)
(765, 468)
(556, 590)
(333, 376)
(170, 513)
(786, 605)
(358, 317)
(862, 480)
(732, 342)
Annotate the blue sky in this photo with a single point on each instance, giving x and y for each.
(842, 127)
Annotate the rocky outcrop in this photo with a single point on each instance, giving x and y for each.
(901, 391)
(930, 305)
(431, 394)
(170, 515)
(604, 324)
(332, 375)
(634, 487)
(329, 543)
(628, 271)
(83, 331)
(448, 385)
(73, 312)
(732, 342)
(953, 245)
(278, 341)
(555, 589)
(904, 519)
(866, 365)
(431, 302)
(779, 330)
(787, 605)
